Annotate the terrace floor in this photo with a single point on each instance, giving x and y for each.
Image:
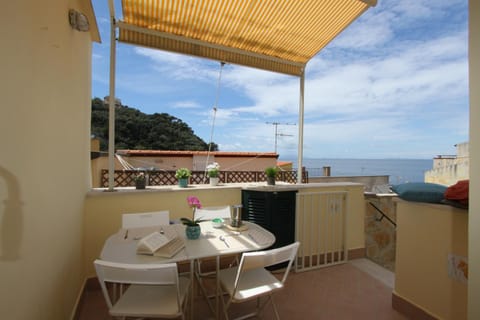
(359, 289)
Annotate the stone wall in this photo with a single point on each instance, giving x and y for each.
(380, 233)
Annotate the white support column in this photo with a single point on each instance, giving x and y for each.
(300, 128)
(111, 102)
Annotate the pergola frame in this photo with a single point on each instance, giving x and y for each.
(275, 35)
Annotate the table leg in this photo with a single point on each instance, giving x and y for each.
(192, 287)
(217, 294)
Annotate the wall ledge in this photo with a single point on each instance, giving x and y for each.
(407, 308)
(357, 253)
(436, 206)
(258, 186)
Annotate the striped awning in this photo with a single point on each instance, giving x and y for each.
(275, 35)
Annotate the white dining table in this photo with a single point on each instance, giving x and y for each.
(213, 242)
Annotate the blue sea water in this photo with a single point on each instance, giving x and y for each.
(398, 170)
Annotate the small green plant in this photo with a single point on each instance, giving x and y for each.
(140, 177)
(183, 173)
(191, 222)
(213, 170)
(271, 171)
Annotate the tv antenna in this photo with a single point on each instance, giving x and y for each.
(276, 124)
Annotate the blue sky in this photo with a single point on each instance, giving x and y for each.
(394, 84)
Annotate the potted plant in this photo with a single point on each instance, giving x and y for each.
(140, 180)
(213, 172)
(271, 173)
(193, 227)
(182, 175)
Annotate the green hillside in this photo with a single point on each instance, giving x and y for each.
(136, 130)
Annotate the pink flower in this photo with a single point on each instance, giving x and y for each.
(194, 202)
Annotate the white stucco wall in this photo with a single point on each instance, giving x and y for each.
(45, 112)
(423, 274)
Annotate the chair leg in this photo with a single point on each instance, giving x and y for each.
(245, 316)
(204, 292)
(184, 304)
(274, 308)
(235, 262)
(225, 306)
(269, 299)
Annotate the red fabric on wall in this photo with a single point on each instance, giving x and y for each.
(458, 191)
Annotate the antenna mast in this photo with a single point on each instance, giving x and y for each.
(276, 124)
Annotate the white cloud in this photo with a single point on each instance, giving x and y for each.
(413, 9)
(186, 105)
(368, 32)
(178, 66)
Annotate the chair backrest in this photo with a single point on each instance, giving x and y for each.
(145, 219)
(210, 213)
(146, 274)
(262, 259)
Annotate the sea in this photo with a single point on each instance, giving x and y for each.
(398, 170)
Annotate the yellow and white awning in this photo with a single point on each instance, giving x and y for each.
(275, 35)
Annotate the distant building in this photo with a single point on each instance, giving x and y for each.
(448, 169)
(285, 165)
(198, 160)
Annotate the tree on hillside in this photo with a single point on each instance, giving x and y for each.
(136, 130)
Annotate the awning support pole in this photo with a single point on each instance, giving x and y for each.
(111, 103)
(300, 128)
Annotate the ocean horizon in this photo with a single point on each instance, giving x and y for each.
(398, 170)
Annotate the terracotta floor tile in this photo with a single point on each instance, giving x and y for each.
(341, 292)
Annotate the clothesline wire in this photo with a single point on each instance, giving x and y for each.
(215, 106)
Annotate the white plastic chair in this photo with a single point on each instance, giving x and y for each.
(145, 219)
(210, 213)
(250, 279)
(151, 290)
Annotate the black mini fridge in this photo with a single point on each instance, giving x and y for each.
(272, 210)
